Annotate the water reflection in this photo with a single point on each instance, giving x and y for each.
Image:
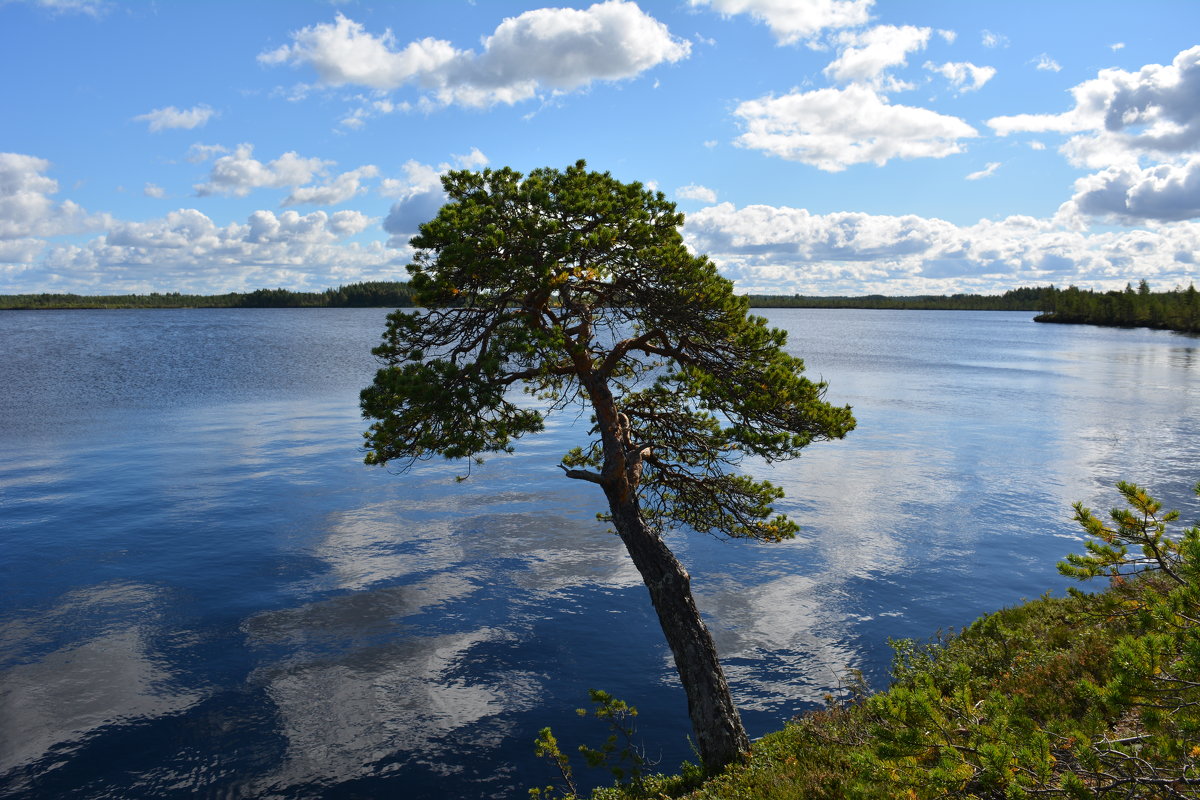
(364, 710)
(375, 674)
(213, 595)
(57, 689)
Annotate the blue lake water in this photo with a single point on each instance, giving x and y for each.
(204, 592)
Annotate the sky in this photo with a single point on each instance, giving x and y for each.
(824, 147)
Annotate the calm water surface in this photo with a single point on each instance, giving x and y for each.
(204, 592)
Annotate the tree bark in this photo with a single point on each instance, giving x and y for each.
(720, 737)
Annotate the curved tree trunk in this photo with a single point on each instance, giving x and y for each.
(720, 737)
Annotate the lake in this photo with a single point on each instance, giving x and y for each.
(204, 592)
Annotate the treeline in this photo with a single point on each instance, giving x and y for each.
(1023, 299)
(1176, 310)
(370, 294)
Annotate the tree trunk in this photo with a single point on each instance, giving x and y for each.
(720, 737)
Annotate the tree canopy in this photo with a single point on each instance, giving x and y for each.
(579, 290)
(568, 281)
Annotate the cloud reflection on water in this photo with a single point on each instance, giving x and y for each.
(396, 658)
(54, 694)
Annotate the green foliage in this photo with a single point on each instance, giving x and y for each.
(1087, 696)
(578, 289)
(1177, 310)
(1022, 299)
(620, 754)
(374, 294)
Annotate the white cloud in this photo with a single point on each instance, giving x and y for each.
(793, 20)
(1036, 145)
(161, 119)
(1141, 130)
(785, 250)
(1123, 115)
(93, 8)
(1130, 194)
(337, 190)
(548, 49)
(472, 160)
(986, 172)
(963, 75)
(183, 251)
(187, 251)
(834, 128)
(154, 190)
(864, 56)
(419, 194)
(1047, 64)
(239, 173)
(696, 192)
(993, 40)
(27, 211)
(1115, 46)
(198, 153)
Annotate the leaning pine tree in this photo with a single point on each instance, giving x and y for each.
(578, 289)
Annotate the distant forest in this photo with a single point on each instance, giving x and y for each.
(1177, 309)
(1023, 299)
(375, 294)
(395, 294)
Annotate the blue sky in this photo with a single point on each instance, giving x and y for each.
(816, 146)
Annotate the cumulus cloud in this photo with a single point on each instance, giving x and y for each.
(864, 56)
(548, 49)
(337, 190)
(419, 194)
(28, 213)
(834, 128)
(154, 190)
(162, 119)
(1141, 130)
(963, 75)
(1134, 194)
(771, 249)
(187, 250)
(696, 192)
(1123, 115)
(987, 171)
(798, 19)
(239, 173)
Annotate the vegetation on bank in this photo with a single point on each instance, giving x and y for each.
(397, 294)
(1176, 310)
(372, 294)
(1087, 696)
(1023, 299)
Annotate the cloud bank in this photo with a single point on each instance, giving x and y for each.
(770, 249)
